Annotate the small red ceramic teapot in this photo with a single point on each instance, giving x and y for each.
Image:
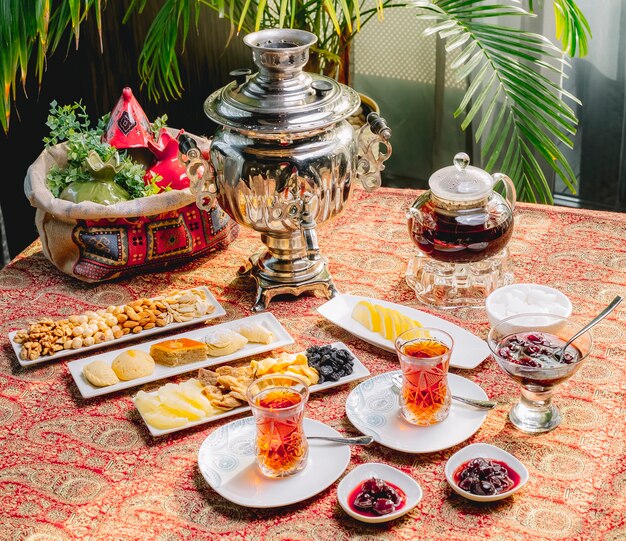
(129, 129)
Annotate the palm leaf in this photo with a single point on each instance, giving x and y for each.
(26, 27)
(158, 62)
(572, 28)
(521, 111)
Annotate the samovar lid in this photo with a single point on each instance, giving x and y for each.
(461, 182)
(281, 97)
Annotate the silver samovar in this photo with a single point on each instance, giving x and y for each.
(284, 160)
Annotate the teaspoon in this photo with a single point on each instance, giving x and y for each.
(474, 402)
(358, 440)
(592, 323)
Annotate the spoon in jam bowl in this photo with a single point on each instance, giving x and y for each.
(358, 440)
(614, 303)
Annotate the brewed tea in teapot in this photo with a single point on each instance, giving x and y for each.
(461, 227)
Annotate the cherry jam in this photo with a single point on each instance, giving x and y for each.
(375, 497)
(486, 477)
(536, 350)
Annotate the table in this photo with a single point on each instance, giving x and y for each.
(87, 469)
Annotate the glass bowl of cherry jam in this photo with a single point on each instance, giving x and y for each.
(535, 359)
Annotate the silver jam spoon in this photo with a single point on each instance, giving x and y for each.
(358, 440)
(593, 322)
(474, 402)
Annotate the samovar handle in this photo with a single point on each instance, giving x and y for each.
(374, 150)
(200, 173)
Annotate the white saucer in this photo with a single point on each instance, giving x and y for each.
(226, 461)
(484, 450)
(373, 408)
(468, 351)
(408, 485)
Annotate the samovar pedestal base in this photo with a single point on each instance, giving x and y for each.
(320, 285)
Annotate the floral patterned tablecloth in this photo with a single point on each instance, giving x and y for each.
(88, 469)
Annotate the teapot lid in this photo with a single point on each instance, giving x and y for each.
(461, 182)
(281, 97)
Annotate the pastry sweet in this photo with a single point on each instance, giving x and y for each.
(255, 332)
(100, 374)
(178, 351)
(226, 386)
(132, 364)
(221, 342)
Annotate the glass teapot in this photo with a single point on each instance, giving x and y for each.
(461, 219)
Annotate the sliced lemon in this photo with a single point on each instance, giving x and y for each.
(387, 322)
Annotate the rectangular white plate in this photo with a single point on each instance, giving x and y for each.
(468, 351)
(87, 390)
(359, 371)
(218, 312)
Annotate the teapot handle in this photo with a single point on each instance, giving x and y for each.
(509, 188)
(200, 173)
(371, 160)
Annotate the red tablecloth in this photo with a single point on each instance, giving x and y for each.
(88, 469)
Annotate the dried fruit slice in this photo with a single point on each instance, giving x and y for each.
(191, 390)
(178, 404)
(146, 403)
(163, 421)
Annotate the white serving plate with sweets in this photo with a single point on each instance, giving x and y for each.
(359, 371)
(87, 390)
(218, 312)
(468, 351)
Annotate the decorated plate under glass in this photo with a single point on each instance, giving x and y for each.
(373, 408)
(226, 461)
(468, 352)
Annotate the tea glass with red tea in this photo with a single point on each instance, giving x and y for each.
(424, 355)
(529, 348)
(278, 403)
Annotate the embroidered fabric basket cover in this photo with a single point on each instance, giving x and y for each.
(95, 242)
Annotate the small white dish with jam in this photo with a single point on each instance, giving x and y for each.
(377, 493)
(497, 476)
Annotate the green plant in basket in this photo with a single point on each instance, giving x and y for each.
(95, 171)
(515, 101)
